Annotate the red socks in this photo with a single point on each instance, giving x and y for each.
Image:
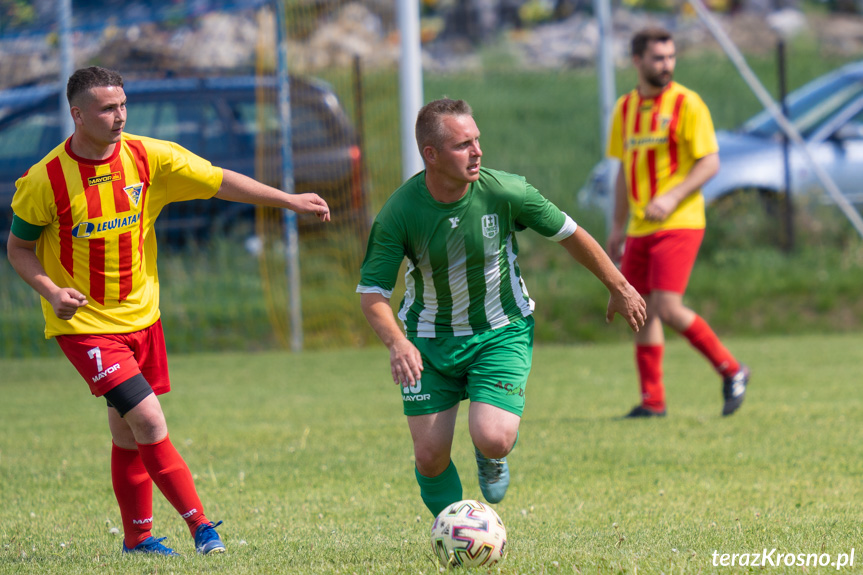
(704, 340)
(134, 491)
(171, 474)
(648, 358)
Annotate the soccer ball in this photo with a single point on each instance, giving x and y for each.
(468, 533)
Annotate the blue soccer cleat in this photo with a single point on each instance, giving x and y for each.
(151, 545)
(207, 540)
(493, 476)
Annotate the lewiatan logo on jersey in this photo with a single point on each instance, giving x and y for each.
(84, 230)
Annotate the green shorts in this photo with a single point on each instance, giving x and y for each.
(490, 367)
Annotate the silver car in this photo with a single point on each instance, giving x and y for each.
(828, 113)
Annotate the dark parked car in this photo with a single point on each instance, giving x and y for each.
(219, 119)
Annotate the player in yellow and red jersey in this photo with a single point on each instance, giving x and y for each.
(663, 136)
(82, 236)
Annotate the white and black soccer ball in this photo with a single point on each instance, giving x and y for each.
(468, 533)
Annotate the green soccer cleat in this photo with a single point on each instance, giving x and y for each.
(493, 476)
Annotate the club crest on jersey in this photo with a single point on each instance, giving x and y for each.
(134, 192)
(489, 225)
(83, 230)
(103, 179)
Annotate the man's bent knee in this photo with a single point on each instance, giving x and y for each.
(493, 430)
(147, 421)
(128, 394)
(497, 440)
(496, 446)
(431, 462)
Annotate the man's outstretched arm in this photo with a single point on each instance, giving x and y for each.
(623, 298)
(239, 188)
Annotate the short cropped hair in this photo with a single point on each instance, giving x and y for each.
(642, 39)
(85, 79)
(429, 128)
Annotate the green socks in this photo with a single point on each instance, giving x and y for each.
(438, 492)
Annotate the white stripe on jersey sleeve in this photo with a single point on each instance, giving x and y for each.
(375, 289)
(567, 229)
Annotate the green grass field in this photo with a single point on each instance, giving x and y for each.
(307, 459)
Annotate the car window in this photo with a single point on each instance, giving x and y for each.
(246, 116)
(24, 139)
(173, 120)
(809, 108)
(852, 129)
(309, 129)
(216, 139)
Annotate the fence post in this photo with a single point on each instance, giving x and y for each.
(67, 63)
(291, 235)
(788, 211)
(607, 93)
(410, 83)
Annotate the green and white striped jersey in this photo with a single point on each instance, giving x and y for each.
(462, 277)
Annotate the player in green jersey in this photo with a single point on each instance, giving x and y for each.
(468, 329)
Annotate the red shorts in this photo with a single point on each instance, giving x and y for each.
(106, 361)
(661, 261)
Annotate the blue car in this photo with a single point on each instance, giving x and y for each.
(231, 121)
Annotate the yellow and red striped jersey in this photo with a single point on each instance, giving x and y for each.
(657, 141)
(97, 218)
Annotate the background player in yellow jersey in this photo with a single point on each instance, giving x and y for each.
(82, 236)
(663, 136)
